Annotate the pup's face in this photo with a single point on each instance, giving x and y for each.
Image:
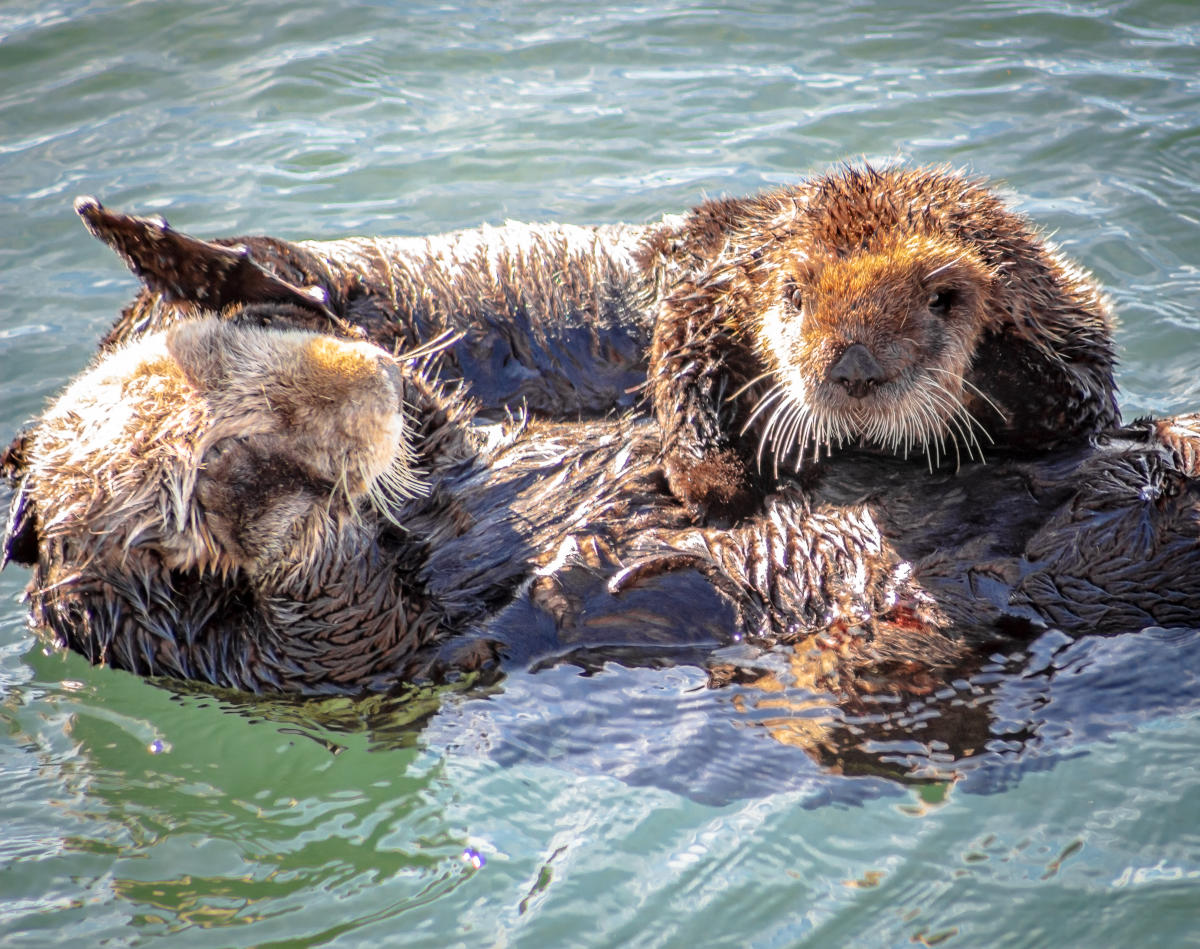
(867, 346)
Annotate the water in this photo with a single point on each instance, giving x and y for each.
(628, 806)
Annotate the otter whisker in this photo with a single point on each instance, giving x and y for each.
(793, 440)
(786, 418)
(433, 347)
(959, 416)
(959, 422)
(758, 378)
(978, 391)
(785, 433)
(770, 396)
(766, 435)
(938, 412)
(937, 270)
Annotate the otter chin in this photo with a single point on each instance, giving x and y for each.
(906, 311)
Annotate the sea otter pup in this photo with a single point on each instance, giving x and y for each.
(903, 309)
(250, 505)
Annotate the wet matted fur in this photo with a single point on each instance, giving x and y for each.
(243, 503)
(903, 309)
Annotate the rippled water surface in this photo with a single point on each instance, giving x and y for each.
(1051, 800)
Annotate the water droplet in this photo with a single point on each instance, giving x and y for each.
(474, 858)
(156, 747)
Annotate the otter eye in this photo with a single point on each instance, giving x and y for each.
(794, 296)
(942, 301)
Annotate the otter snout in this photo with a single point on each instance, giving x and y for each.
(857, 371)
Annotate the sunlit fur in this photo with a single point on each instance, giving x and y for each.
(902, 310)
(880, 300)
(195, 403)
(204, 504)
(728, 302)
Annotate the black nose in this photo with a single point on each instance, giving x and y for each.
(857, 371)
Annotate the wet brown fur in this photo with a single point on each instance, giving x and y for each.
(547, 318)
(203, 504)
(902, 309)
(552, 536)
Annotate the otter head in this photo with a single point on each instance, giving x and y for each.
(221, 447)
(212, 502)
(870, 347)
(904, 310)
(300, 432)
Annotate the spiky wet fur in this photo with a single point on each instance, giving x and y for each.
(199, 504)
(983, 337)
(566, 529)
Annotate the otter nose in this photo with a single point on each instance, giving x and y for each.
(857, 371)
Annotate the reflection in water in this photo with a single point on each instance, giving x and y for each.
(744, 722)
(980, 723)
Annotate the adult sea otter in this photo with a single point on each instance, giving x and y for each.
(239, 501)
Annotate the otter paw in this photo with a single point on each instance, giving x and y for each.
(716, 487)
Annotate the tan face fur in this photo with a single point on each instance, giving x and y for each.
(871, 346)
(222, 447)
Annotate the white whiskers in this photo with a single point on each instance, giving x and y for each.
(927, 416)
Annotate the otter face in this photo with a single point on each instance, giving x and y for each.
(869, 347)
(898, 309)
(222, 447)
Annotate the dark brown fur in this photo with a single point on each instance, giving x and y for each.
(904, 309)
(549, 318)
(230, 530)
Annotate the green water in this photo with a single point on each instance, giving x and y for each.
(629, 807)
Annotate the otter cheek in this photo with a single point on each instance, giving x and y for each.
(782, 348)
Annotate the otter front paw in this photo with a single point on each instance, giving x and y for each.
(717, 486)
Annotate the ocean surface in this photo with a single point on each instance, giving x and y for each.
(1058, 804)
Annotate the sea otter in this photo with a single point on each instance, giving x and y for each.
(904, 309)
(546, 318)
(237, 501)
(240, 502)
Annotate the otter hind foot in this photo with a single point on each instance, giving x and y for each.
(186, 269)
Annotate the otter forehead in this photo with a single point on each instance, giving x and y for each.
(859, 208)
(891, 283)
(332, 362)
(266, 379)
